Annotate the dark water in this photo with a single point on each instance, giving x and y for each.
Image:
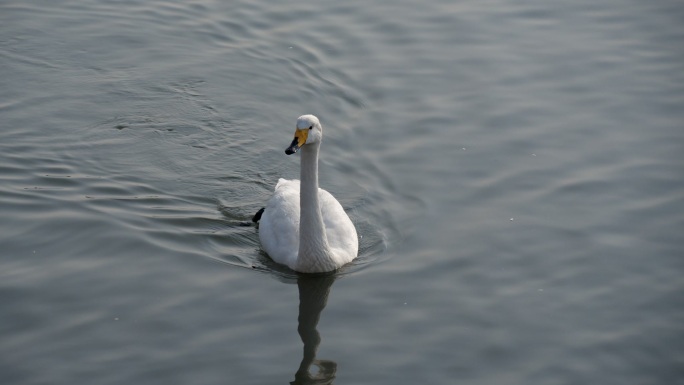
(515, 170)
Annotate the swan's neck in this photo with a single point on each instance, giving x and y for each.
(314, 252)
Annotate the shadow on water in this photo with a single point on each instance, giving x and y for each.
(313, 296)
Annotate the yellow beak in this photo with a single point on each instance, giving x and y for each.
(298, 142)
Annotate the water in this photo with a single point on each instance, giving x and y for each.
(514, 170)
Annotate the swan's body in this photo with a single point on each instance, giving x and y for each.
(302, 226)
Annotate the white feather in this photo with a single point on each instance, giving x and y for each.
(306, 247)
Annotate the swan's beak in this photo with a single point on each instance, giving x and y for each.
(298, 142)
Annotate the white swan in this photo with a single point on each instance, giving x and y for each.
(302, 226)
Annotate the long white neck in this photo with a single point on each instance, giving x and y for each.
(314, 251)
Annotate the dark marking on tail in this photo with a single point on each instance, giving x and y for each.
(258, 215)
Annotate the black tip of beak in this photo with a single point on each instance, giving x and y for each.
(293, 147)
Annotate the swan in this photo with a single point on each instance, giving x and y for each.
(303, 226)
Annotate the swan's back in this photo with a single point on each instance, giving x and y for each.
(279, 226)
(340, 231)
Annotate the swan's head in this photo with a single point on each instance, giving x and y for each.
(308, 131)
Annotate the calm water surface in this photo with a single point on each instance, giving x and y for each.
(515, 170)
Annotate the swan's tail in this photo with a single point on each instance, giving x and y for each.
(258, 215)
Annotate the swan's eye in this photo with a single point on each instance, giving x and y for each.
(310, 127)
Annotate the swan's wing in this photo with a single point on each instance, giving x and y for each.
(279, 225)
(339, 228)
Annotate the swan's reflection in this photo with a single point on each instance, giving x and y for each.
(313, 296)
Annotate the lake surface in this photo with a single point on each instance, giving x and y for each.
(515, 171)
